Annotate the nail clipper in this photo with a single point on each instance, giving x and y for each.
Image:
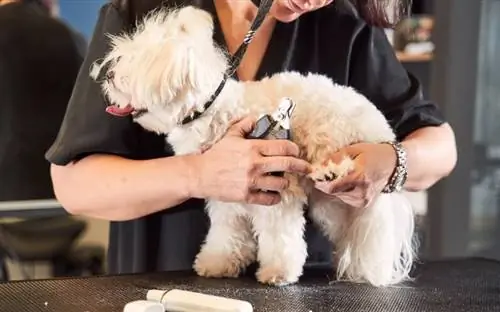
(276, 125)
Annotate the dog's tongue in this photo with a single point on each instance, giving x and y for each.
(119, 111)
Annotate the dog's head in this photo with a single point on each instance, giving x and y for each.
(163, 71)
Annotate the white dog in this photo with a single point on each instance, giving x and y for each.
(170, 66)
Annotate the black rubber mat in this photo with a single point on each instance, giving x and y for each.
(454, 286)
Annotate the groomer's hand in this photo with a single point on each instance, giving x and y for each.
(236, 169)
(289, 10)
(374, 165)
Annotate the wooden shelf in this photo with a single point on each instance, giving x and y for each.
(412, 58)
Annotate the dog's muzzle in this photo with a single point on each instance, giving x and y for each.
(115, 110)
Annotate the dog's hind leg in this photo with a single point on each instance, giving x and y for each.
(372, 245)
(229, 246)
(377, 246)
(282, 250)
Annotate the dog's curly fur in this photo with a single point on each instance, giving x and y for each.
(171, 66)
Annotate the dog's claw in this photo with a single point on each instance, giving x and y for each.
(330, 176)
(332, 171)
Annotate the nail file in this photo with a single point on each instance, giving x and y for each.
(177, 300)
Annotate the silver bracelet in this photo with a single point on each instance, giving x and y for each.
(398, 177)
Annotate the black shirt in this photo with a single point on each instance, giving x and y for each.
(331, 41)
(39, 62)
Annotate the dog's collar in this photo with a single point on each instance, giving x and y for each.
(196, 113)
(264, 7)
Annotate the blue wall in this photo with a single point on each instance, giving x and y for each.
(81, 14)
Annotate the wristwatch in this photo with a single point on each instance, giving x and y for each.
(398, 178)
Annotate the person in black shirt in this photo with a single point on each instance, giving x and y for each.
(39, 62)
(110, 168)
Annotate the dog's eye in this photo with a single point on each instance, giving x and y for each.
(110, 75)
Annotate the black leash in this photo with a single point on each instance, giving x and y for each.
(264, 7)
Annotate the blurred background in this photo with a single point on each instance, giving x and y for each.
(451, 46)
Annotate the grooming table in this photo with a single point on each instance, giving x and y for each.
(469, 285)
(31, 208)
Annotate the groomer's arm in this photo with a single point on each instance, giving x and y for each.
(431, 156)
(234, 169)
(114, 188)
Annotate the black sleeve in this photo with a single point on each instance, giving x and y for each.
(80, 43)
(87, 128)
(376, 72)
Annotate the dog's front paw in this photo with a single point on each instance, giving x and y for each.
(331, 170)
(217, 265)
(277, 276)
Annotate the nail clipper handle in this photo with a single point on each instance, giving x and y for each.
(281, 134)
(262, 128)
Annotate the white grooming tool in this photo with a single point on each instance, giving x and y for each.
(177, 300)
(144, 306)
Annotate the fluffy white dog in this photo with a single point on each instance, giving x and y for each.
(170, 66)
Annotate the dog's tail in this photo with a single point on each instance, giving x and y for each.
(379, 246)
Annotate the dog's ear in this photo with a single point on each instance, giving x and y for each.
(176, 73)
(186, 71)
(195, 22)
(195, 74)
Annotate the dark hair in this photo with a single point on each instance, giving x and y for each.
(40, 4)
(375, 12)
